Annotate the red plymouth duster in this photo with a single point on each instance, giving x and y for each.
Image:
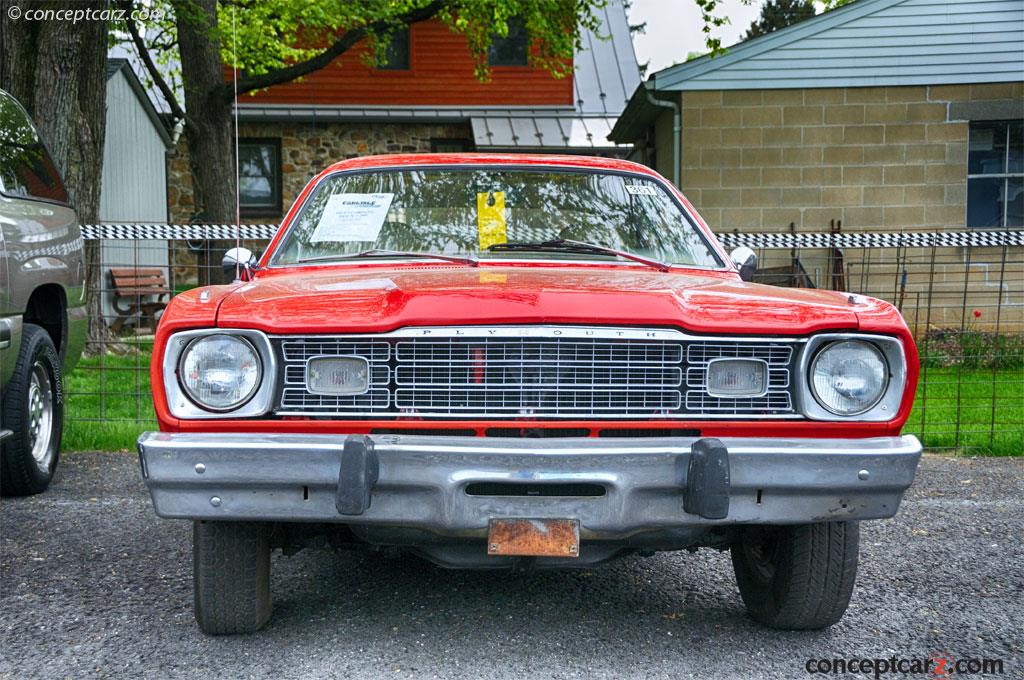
(499, 361)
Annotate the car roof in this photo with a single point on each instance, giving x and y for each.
(534, 160)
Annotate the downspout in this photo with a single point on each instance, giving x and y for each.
(176, 133)
(677, 131)
(170, 151)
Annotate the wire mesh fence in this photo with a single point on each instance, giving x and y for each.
(962, 296)
(136, 270)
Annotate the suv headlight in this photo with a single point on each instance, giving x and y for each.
(220, 372)
(849, 377)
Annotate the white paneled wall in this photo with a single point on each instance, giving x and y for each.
(134, 185)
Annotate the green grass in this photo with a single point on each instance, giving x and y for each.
(108, 402)
(945, 419)
(114, 420)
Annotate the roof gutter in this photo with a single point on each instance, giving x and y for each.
(677, 130)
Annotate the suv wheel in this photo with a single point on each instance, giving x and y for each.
(33, 408)
(797, 577)
(231, 576)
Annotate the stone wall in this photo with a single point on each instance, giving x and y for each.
(306, 149)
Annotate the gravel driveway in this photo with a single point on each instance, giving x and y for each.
(93, 583)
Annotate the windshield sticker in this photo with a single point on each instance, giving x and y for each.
(641, 190)
(490, 218)
(352, 218)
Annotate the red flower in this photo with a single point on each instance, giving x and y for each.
(977, 313)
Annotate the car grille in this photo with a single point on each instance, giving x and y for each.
(538, 372)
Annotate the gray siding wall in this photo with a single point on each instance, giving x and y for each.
(871, 43)
(134, 185)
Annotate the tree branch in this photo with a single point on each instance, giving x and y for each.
(342, 45)
(147, 60)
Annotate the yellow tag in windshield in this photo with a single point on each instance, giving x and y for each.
(490, 218)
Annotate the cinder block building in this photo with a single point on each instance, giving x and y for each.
(886, 115)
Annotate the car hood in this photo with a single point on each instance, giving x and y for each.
(376, 299)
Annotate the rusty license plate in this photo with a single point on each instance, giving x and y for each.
(534, 537)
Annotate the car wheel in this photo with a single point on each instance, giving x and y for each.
(797, 577)
(33, 408)
(231, 576)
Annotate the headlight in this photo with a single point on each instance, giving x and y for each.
(849, 377)
(220, 372)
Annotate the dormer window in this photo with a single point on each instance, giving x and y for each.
(396, 56)
(512, 50)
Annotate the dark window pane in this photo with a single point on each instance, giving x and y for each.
(396, 57)
(1016, 159)
(259, 175)
(449, 145)
(511, 50)
(1015, 202)
(985, 202)
(26, 168)
(986, 151)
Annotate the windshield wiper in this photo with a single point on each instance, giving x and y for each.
(565, 245)
(471, 260)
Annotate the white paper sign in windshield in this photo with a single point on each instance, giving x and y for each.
(352, 217)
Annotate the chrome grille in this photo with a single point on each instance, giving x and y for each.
(531, 376)
(541, 371)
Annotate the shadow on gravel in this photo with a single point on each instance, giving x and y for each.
(631, 597)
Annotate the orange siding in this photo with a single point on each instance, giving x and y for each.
(440, 73)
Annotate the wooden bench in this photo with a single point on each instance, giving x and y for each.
(137, 291)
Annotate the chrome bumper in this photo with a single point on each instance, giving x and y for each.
(418, 482)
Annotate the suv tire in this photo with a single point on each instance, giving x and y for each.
(797, 577)
(231, 576)
(33, 408)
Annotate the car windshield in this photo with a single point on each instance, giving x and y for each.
(456, 211)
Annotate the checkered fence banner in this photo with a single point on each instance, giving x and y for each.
(179, 232)
(937, 239)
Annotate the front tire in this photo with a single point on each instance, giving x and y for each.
(231, 576)
(33, 408)
(797, 577)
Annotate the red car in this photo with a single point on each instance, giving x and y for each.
(500, 361)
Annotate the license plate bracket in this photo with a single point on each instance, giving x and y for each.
(534, 537)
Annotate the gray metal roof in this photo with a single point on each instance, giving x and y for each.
(404, 114)
(871, 43)
(543, 132)
(605, 75)
(606, 72)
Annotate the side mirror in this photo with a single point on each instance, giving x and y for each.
(241, 261)
(745, 260)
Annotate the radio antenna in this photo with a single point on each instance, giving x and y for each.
(238, 174)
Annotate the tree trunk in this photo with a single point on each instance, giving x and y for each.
(57, 70)
(208, 124)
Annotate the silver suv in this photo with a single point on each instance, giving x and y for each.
(42, 303)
